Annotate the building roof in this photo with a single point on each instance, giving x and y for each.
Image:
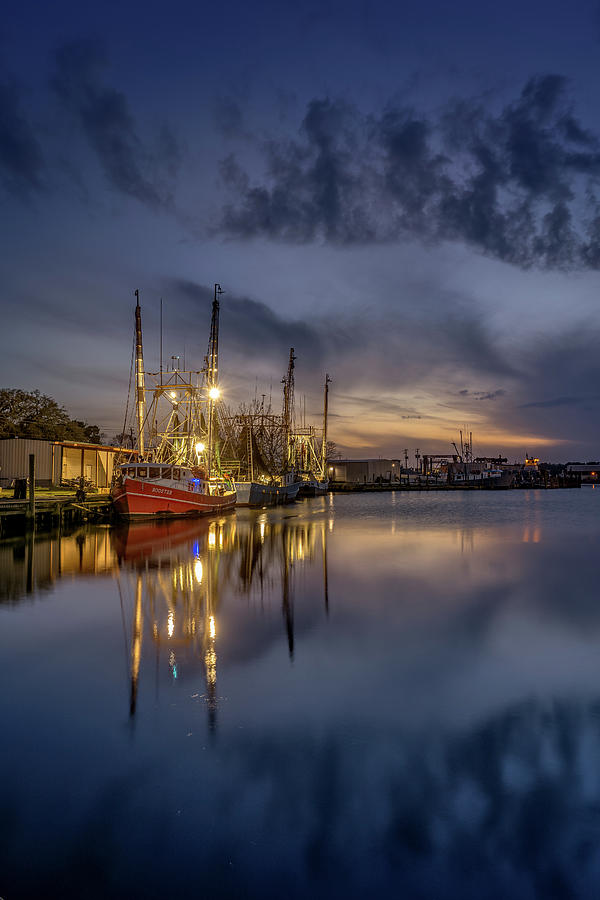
(82, 444)
(393, 459)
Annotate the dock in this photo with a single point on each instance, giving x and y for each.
(53, 512)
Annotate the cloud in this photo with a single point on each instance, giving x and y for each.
(249, 327)
(551, 404)
(21, 159)
(511, 184)
(315, 184)
(483, 395)
(104, 115)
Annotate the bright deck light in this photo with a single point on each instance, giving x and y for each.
(214, 393)
(200, 448)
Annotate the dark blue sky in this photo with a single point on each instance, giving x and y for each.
(406, 193)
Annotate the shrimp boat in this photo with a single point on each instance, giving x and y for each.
(172, 475)
(154, 491)
(312, 458)
(284, 487)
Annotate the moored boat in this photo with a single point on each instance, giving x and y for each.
(313, 488)
(161, 491)
(256, 493)
(173, 473)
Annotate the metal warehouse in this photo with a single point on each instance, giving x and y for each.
(364, 471)
(57, 461)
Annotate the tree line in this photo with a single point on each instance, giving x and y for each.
(31, 414)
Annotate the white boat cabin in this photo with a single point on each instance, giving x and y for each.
(175, 477)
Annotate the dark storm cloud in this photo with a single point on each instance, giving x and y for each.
(249, 326)
(315, 184)
(556, 392)
(511, 184)
(109, 126)
(467, 340)
(21, 160)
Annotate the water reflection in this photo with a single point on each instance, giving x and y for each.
(173, 579)
(356, 697)
(33, 564)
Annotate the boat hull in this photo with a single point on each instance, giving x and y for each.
(254, 493)
(287, 493)
(138, 499)
(313, 488)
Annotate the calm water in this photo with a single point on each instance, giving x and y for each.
(386, 696)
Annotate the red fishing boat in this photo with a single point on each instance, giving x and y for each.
(173, 472)
(146, 490)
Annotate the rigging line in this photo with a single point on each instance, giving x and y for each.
(128, 393)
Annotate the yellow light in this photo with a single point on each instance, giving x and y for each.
(172, 394)
(214, 393)
(198, 570)
(210, 661)
(212, 539)
(200, 448)
(212, 627)
(171, 624)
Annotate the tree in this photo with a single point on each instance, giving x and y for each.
(31, 414)
(92, 433)
(332, 451)
(124, 439)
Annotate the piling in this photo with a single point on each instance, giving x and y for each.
(31, 508)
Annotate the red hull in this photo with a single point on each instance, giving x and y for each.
(153, 537)
(144, 499)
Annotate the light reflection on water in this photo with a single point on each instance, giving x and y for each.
(392, 694)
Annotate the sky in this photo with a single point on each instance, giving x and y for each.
(406, 193)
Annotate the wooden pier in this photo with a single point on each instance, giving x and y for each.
(18, 516)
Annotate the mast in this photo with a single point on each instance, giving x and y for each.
(325, 406)
(161, 343)
(288, 405)
(212, 379)
(136, 645)
(140, 395)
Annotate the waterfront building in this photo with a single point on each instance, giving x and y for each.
(364, 471)
(588, 473)
(57, 462)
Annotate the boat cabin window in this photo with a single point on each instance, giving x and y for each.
(154, 472)
(142, 472)
(176, 474)
(166, 472)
